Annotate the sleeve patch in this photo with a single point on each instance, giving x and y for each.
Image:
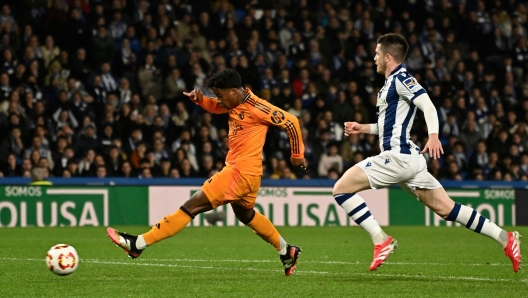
(412, 84)
(277, 117)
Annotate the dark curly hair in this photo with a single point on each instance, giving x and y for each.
(225, 79)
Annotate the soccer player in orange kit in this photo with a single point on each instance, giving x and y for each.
(239, 181)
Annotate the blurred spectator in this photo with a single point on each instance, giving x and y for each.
(12, 169)
(103, 46)
(101, 172)
(108, 80)
(73, 168)
(149, 78)
(282, 171)
(114, 162)
(49, 50)
(332, 160)
(39, 176)
(174, 85)
(333, 174)
(87, 140)
(86, 165)
(470, 136)
(126, 170)
(138, 154)
(145, 173)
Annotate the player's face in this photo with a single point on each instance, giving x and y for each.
(379, 59)
(226, 97)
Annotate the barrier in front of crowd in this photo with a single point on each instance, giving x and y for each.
(119, 201)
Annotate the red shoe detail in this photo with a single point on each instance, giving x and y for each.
(382, 252)
(513, 250)
(114, 236)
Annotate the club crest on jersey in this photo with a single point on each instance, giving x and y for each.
(241, 115)
(412, 84)
(277, 117)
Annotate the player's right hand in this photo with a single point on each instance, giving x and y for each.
(300, 163)
(352, 128)
(195, 95)
(433, 147)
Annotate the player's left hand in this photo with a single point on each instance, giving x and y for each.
(433, 146)
(352, 128)
(299, 163)
(195, 95)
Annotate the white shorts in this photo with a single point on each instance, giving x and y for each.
(409, 171)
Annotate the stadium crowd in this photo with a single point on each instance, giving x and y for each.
(94, 88)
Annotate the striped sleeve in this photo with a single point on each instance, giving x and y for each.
(272, 115)
(210, 104)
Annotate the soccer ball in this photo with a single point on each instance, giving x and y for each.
(62, 259)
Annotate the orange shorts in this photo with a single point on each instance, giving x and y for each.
(231, 186)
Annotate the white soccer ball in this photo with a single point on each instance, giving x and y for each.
(62, 259)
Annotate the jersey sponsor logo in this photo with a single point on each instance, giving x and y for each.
(412, 84)
(234, 127)
(382, 101)
(277, 117)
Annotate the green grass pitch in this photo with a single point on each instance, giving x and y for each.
(232, 262)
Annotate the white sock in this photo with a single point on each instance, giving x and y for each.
(283, 246)
(477, 223)
(357, 209)
(140, 242)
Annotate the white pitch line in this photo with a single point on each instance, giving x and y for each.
(315, 262)
(468, 278)
(326, 262)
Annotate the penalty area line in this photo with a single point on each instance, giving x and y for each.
(298, 271)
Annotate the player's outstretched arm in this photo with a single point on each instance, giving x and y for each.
(209, 104)
(433, 146)
(409, 88)
(272, 115)
(354, 128)
(296, 140)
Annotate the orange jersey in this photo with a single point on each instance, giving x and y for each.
(248, 125)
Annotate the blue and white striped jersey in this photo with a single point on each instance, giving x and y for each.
(396, 111)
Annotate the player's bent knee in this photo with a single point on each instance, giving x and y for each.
(186, 211)
(340, 187)
(436, 200)
(246, 219)
(443, 215)
(244, 215)
(197, 204)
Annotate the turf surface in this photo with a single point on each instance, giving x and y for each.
(232, 262)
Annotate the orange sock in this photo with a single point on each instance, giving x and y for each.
(265, 229)
(169, 226)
